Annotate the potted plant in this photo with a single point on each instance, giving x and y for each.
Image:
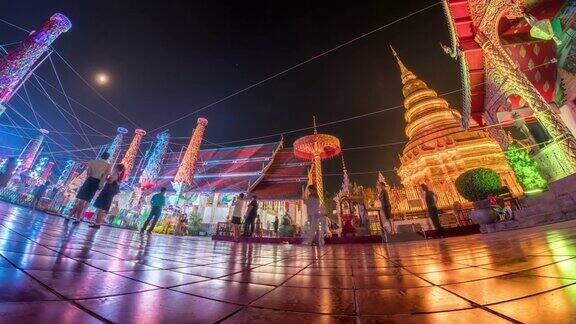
(475, 185)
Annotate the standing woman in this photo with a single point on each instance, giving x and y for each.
(237, 215)
(96, 171)
(315, 217)
(111, 189)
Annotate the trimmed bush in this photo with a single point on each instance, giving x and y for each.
(476, 184)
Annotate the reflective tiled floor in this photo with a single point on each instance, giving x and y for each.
(52, 271)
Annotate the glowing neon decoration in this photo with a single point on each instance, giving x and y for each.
(525, 168)
(187, 166)
(16, 67)
(114, 148)
(152, 168)
(130, 155)
(66, 172)
(39, 168)
(31, 150)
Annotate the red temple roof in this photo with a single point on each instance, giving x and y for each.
(229, 169)
(266, 170)
(285, 179)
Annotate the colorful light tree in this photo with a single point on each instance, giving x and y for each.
(130, 156)
(114, 148)
(38, 170)
(152, 168)
(66, 173)
(17, 66)
(183, 178)
(525, 168)
(31, 150)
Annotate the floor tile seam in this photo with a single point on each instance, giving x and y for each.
(208, 298)
(472, 303)
(76, 299)
(530, 295)
(57, 294)
(280, 285)
(301, 312)
(483, 266)
(162, 287)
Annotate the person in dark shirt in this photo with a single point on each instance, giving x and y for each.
(250, 217)
(385, 203)
(156, 203)
(430, 199)
(39, 193)
(276, 224)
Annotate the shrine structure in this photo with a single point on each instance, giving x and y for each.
(512, 54)
(439, 149)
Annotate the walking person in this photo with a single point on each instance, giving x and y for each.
(238, 205)
(250, 217)
(385, 203)
(430, 199)
(96, 172)
(315, 217)
(39, 193)
(276, 224)
(157, 203)
(111, 189)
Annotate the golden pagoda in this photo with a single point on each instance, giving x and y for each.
(439, 149)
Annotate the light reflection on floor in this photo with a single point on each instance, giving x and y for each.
(52, 271)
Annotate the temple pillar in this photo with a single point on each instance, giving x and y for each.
(496, 132)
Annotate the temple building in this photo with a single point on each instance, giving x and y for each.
(268, 171)
(439, 149)
(517, 60)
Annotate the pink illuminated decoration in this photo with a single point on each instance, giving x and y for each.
(18, 64)
(130, 156)
(47, 171)
(31, 150)
(185, 173)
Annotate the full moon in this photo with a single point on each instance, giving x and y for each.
(102, 78)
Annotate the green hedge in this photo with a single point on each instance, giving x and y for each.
(476, 184)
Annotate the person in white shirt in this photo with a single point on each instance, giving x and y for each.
(238, 206)
(96, 172)
(316, 217)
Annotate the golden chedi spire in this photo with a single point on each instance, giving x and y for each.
(439, 149)
(426, 114)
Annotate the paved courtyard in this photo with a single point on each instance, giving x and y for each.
(52, 271)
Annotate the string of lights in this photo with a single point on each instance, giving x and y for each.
(296, 66)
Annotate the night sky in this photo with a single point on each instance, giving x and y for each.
(169, 58)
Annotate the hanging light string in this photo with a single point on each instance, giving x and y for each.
(296, 66)
(76, 73)
(297, 130)
(67, 100)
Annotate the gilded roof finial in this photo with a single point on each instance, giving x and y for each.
(406, 74)
(314, 120)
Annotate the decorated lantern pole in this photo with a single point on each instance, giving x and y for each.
(130, 156)
(183, 178)
(47, 171)
(114, 148)
(315, 148)
(30, 152)
(17, 66)
(66, 173)
(152, 168)
(39, 168)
